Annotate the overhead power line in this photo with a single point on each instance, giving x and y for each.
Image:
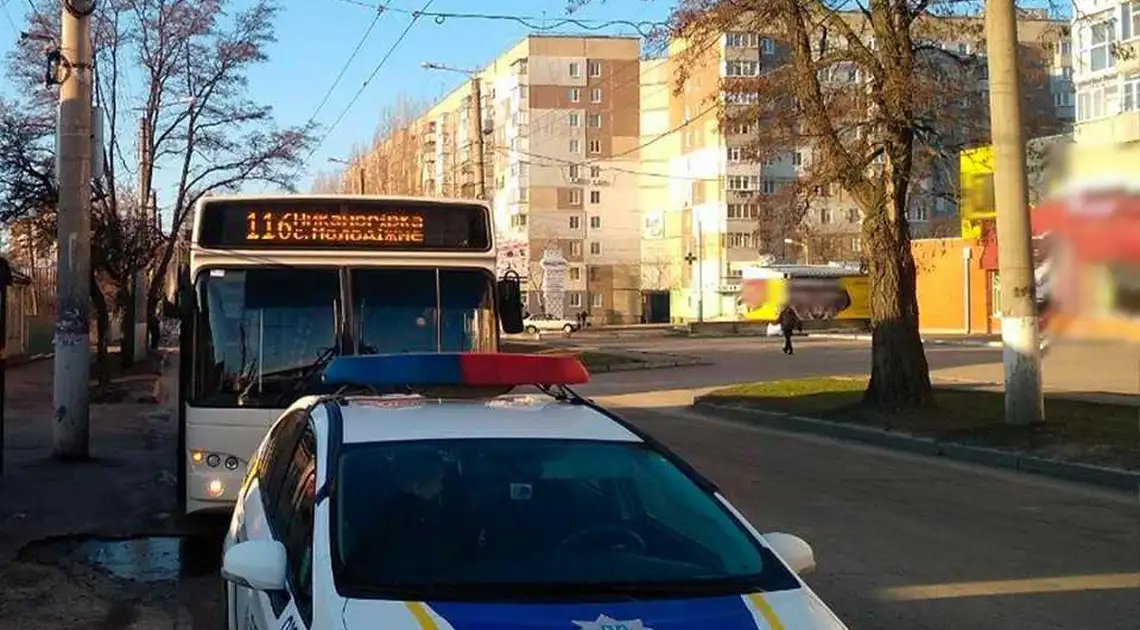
(351, 58)
(643, 27)
(383, 60)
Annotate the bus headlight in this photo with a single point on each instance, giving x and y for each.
(215, 460)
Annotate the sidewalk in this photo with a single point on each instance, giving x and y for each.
(127, 487)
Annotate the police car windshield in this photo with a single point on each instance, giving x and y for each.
(486, 519)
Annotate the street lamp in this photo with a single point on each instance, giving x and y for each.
(350, 164)
(807, 259)
(477, 97)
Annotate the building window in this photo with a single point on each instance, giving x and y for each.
(594, 68)
(524, 194)
(596, 300)
(595, 146)
(741, 40)
(596, 95)
(852, 215)
(735, 154)
(1096, 45)
(741, 129)
(797, 159)
(595, 248)
(575, 223)
(595, 172)
(743, 211)
(1098, 101)
(595, 223)
(575, 146)
(575, 69)
(576, 249)
(573, 171)
(742, 182)
(575, 119)
(574, 273)
(825, 216)
(595, 196)
(1130, 96)
(595, 121)
(575, 300)
(741, 68)
(739, 240)
(575, 196)
(768, 187)
(522, 66)
(767, 46)
(1130, 20)
(575, 95)
(856, 244)
(741, 98)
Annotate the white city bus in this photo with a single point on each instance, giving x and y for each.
(277, 286)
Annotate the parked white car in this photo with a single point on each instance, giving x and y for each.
(548, 323)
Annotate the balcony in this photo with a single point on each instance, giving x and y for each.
(1112, 130)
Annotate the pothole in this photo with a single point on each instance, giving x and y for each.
(135, 559)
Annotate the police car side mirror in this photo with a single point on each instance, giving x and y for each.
(793, 550)
(256, 564)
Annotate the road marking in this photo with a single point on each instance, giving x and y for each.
(1031, 586)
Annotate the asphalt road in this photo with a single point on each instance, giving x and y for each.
(901, 541)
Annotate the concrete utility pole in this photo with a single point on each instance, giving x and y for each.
(70, 431)
(1021, 349)
(480, 158)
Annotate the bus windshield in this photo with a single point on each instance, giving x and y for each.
(263, 334)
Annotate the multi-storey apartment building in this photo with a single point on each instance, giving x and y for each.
(561, 132)
(1106, 71)
(715, 187)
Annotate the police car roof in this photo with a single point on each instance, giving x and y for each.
(383, 419)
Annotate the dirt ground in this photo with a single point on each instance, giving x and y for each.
(93, 545)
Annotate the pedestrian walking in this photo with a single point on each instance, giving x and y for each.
(789, 323)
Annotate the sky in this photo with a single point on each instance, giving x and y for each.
(315, 38)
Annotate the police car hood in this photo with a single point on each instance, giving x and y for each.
(797, 609)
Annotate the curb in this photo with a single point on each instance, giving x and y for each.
(933, 342)
(899, 441)
(654, 365)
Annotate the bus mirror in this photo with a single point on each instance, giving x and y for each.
(510, 304)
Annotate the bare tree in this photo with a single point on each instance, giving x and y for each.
(393, 164)
(196, 118)
(869, 99)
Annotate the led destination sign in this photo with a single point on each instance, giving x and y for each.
(317, 224)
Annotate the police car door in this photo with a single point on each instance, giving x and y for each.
(289, 511)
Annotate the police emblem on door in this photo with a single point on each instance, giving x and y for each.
(604, 622)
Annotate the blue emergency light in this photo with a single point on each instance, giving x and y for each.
(472, 369)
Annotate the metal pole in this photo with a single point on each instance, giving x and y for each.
(362, 178)
(480, 164)
(700, 271)
(70, 431)
(1021, 351)
(5, 280)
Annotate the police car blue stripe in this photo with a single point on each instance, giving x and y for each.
(719, 613)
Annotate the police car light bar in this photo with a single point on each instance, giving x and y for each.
(455, 369)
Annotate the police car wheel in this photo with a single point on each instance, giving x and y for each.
(530, 330)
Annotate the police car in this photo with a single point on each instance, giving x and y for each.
(466, 504)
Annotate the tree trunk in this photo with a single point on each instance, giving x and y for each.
(102, 330)
(126, 301)
(900, 375)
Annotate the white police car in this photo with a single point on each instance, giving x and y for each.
(448, 510)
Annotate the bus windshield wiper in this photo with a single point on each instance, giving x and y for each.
(305, 378)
